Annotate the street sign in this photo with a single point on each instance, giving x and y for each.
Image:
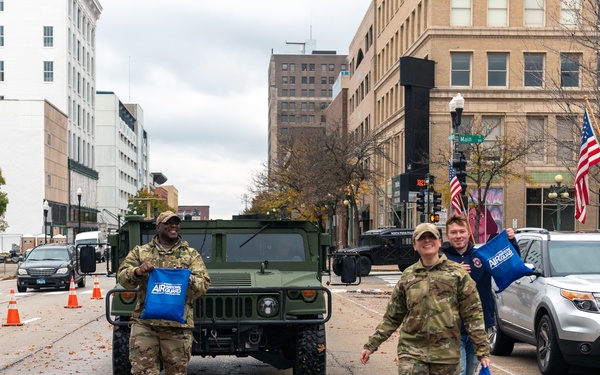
(470, 138)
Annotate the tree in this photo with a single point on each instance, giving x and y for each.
(3, 204)
(138, 204)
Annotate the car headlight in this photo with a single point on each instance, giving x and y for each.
(21, 271)
(62, 271)
(581, 300)
(268, 307)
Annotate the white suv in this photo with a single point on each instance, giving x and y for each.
(557, 308)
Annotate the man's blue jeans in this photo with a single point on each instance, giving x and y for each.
(468, 359)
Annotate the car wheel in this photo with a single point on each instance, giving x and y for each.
(549, 358)
(81, 283)
(21, 289)
(500, 344)
(364, 266)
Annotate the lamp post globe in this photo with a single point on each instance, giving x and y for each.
(558, 192)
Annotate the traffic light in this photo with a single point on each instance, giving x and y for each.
(434, 218)
(421, 201)
(460, 168)
(437, 202)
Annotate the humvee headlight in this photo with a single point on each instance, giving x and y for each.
(127, 297)
(268, 307)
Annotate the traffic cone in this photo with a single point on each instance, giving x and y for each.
(72, 304)
(12, 318)
(96, 294)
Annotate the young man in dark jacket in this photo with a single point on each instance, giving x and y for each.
(460, 250)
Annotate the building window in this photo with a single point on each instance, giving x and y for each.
(284, 80)
(284, 67)
(497, 68)
(311, 67)
(461, 69)
(323, 105)
(536, 134)
(311, 119)
(304, 67)
(323, 92)
(331, 80)
(1, 71)
(492, 130)
(541, 210)
(323, 80)
(48, 71)
(332, 67)
(460, 13)
(311, 80)
(304, 106)
(569, 69)
(48, 36)
(304, 119)
(304, 80)
(292, 92)
(292, 106)
(311, 106)
(344, 67)
(303, 92)
(292, 119)
(284, 118)
(292, 80)
(497, 13)
(323, 67)
(292, 67)
(565, 143)
(1, 5)
(533, 70)
(534, 13)
(311, 93)
(570, 12)
(284, 106)
(1, 36)
(284, 92)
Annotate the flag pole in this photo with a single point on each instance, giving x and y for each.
(589, 108)
(466, 215)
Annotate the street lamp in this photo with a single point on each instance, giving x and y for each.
(459, 162)
(558, 192)
(79, 210)
(350, 223)
(46, 208)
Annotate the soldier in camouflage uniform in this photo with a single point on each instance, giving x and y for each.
(153, 340)
(428, 304)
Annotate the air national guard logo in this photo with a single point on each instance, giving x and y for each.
(477, 263)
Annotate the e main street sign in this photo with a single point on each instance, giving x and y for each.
(467, 138)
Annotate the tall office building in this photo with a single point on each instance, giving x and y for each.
(510, 62)
(47, 52)
(300, 89)
(121, 156)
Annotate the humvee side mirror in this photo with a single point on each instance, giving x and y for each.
(87, 259)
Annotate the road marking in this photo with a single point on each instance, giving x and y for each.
(361, 305)
(391, 280)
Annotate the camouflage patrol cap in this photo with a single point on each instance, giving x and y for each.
(165, 216)
(424, 228)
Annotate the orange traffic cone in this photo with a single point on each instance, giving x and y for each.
(72, 297)
(96, 294)
(12, 318)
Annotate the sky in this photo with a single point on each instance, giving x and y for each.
(198, 69)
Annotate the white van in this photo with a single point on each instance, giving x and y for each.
(96, 239)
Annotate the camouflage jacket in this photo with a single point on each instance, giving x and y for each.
(180, 255)
(428, 306)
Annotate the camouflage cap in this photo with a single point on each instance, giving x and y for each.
(165, 216)
(424, 228)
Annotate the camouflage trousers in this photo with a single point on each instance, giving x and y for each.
(409, 366)
(149, 345)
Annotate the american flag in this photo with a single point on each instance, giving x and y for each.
(455, 189)
(589, 154)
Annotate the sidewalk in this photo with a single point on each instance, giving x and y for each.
(8, 270)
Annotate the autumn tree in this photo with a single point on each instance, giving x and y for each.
(138, 204)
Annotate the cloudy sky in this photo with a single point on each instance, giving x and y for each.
(199, 71)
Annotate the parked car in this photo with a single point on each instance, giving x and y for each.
(557, 308)
(380, 247)
(49, 266)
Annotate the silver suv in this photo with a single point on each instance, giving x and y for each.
(557, 308)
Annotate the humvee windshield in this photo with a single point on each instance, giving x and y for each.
(370, 240)
(278, 247)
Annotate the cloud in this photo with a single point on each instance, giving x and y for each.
(199, 71)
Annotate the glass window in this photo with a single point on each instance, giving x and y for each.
(343, 67)
(292, 80)
(323, 92)
(497, 13)
(284, 92)
(331, 80)
(304, 106)
(570, 12)
(284, 118)
(292, 119)
(533, 69)
(497, 68)
(1, 5)
(460, 13)
(48, 71)
(461, 69)
(311, 119)
(304, 119)
(324, 80)
(536, 139)
(292, 67)
(565, 142)
(292, 92)
(311, 80)
(284, 106)
(1, 36)
(542, 211)
(311, 67)
(304, 67)
(303, 92)
(1, 71)
(48, 36)
(284, 67)
(311, 92)
(323, 67)
(311, 106)
(534, 13)
(292, 106)
(331, 67)
(284, 80)
(569, 69)
(304, 80)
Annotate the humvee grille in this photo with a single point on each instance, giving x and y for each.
(230, 279)
(227, 307)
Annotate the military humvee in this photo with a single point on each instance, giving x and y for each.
(266, 299)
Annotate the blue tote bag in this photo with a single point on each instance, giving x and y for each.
(165, 296)
(502, 261)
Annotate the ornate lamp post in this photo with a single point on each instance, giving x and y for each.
(459, 162)
(350, 223)
(558, 192)
(46, 208)
(79, 210)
